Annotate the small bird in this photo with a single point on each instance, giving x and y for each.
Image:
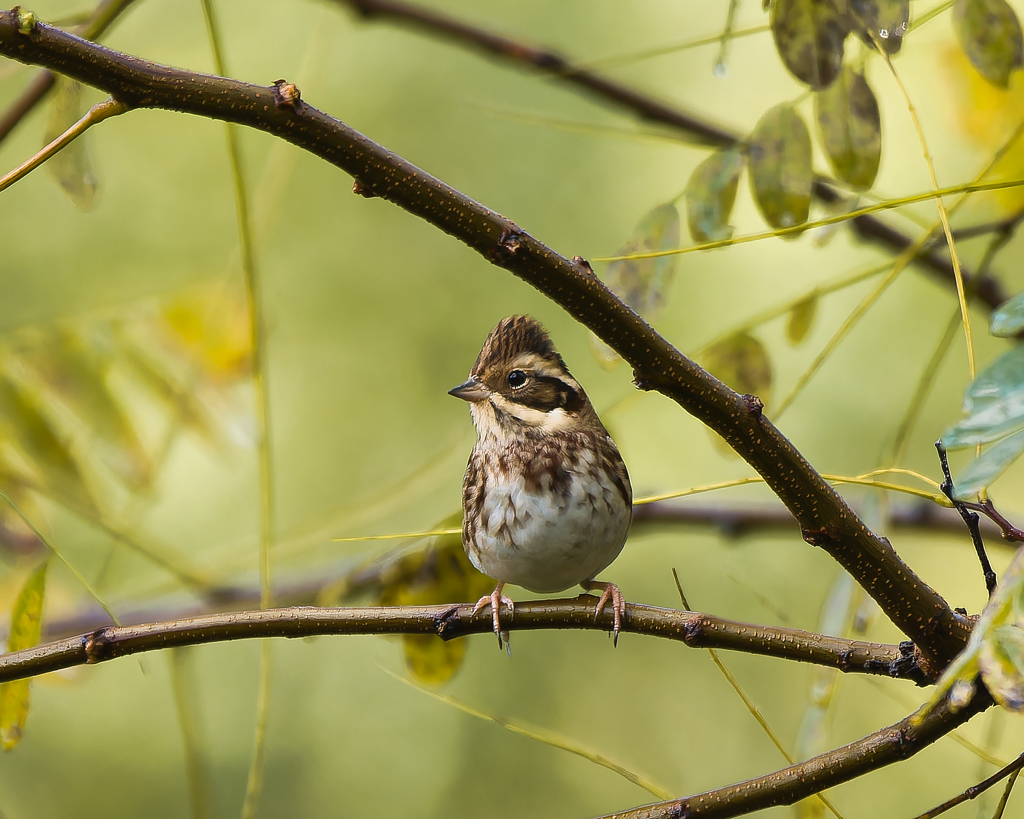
(546, 500)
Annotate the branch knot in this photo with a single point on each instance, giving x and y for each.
(26, 20)
(755, 406)
(95, 646)
(286, 95)
(508, 244)
(820, 537)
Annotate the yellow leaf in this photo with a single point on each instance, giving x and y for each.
(801, 318)
(439, 573)
(26, 622)
(431, 660)
(214, 324)
(986, 115)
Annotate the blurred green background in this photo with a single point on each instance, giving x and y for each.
(371, 316)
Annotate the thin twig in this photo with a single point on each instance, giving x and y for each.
(257, 344)
(970, 519)
(1008, 530)
(976, 790)
(939, 205)
(99, 112)
(540, 735)
(1001, 807)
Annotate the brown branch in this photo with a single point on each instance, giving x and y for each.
(824, 517)
(790, 785)
(1007, 530)
(869, 228)
(41, 85)
(449, 621)
(368, 581)
(741, 521)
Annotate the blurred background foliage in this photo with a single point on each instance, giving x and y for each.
(128, 439)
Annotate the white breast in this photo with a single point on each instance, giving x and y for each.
(549, 541)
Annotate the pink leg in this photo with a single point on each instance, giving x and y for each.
(609, 591)
(494, 600)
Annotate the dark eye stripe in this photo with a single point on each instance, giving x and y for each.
(547, 393)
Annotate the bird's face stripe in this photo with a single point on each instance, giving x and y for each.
(546, 393)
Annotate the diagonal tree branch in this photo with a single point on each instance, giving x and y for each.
(449, 621)
(826, 520)
(697, 129)
(893, 744)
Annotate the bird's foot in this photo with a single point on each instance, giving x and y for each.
(494, 600)
(609, 592)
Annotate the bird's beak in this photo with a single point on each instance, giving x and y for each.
(473, 390)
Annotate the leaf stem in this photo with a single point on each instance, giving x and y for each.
(939, 204)
(95, 115)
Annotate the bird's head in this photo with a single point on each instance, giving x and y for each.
(519, 380)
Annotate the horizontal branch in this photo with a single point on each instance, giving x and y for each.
(740, 521)
(449, 621)
(306, 589)
(788, 786)
(826, 520)
(869, 228)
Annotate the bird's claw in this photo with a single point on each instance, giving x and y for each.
(494, 600)
(609, 592)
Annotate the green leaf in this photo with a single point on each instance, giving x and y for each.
(884, 20)
(1001, 660)
(990, 35)
(1008, 318)
(994, 403)
(642, 283)
(55, 469)
(980, 472)
(851, 129)
(809, 35)
(26, 623)
(779, 153)
(71, 166)
(741, 362)
(801, 318)
(710, 195)
(994, 649)
(75, 374)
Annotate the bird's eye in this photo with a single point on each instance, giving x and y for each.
(516, 379)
